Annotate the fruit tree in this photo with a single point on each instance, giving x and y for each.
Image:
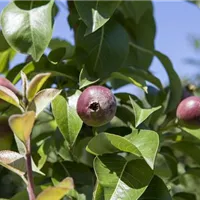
(66, 133)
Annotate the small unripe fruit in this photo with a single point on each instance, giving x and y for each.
(6, 83)
(96, 106)
(189, 109)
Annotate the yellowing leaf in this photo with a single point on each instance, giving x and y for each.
(57, 192)
(36, 84)
(22, 125)
(13, 161)
(43, 99)
(9, 96)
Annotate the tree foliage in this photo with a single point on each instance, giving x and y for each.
(144, 152)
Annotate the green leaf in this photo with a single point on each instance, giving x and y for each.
(85, 80)
(42, 99)
(174, 80)
(156, 190)
(22, 125)
(135, 9)
(110, 143)
(9, 96)
(4, 45)
(121, 179)
(5, 58)
(165, 166)
(130, 78)
(138, 19)
(192, 128)
(103, 52)
(95, 13)
(98, 193)
(56, 43)
(147, 142)
(57, 192)
(184, 196)
(188, 149)
(141, 114)
(68, 120)
(24, 84)
(62, 53)
(36, 84)
(27, 26)
(79, 151)
(144, 74)
(13, 161)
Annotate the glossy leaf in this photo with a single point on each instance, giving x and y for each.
(143, 144)
(27, 26)
(95, 13)
(42, 99)
(68, 120)
(121, 179)
(57, 192)
(9, 96)
(147, 142)
(22, 125)
(110, 143)
(102, 52)
(36, 84)
(141, 114)
(13, 161)
(98, 193)
(85, 80)
(192, 128)
(130, 78)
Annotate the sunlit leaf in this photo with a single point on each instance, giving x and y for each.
(68, 120)
(85, 80)
(121, 179)
(141, 114)
(192, 128)
(57, 192)
(9, 96)
(27, 26)
(22, 125)
(42, 99)
(13, 161)
(130, 78)
(95, 13)
(36, 84)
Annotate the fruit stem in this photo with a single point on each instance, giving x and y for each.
(30, 187)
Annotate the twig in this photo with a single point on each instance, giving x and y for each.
(30, 187)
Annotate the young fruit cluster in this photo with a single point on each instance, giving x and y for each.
(189, 109)
(96, 106)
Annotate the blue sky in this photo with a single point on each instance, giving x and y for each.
(175, 22)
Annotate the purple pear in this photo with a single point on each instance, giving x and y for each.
(189, 109)
(96, 106)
